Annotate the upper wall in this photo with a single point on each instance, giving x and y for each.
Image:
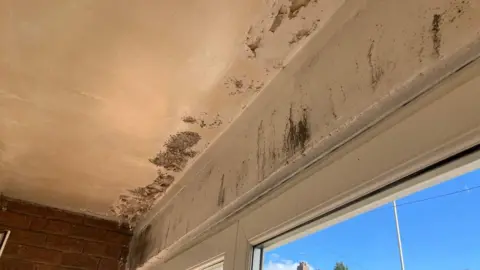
(372, 57)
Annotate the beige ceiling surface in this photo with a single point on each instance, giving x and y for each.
(89, 90)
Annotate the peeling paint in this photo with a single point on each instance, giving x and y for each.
(178, 150)
(277, 21)
(295, 6)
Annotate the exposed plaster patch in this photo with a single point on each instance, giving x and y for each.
(200, 121)
(295, 6)
(178, 150)
(253, 43)
(302, 33)
(277, 21)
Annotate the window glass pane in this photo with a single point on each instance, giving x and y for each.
(439, 228)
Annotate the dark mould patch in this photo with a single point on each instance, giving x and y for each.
(140, 248)
(241, 175)
(376, 72)
(221, 192)
(261, 158)
(332, 103)
(297, 133)
(436, 35)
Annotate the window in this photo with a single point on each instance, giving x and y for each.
(433, 228)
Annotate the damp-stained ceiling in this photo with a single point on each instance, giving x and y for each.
(90, 90)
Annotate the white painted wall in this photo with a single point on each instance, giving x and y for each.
(370, 59)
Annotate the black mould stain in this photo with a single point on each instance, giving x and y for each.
(140, 247)
(221, 192)
(241, 176)
(436, 35)
(296, 133)
(376, 72)
(261, 155)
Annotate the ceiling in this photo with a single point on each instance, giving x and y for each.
(90, 90)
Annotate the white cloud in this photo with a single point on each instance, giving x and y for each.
(284, 265)
(281, 265)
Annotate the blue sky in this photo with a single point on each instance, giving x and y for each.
(440, 233)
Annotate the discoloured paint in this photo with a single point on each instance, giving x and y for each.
(376, 72)
(140, 247)
(297, 133)
(261, 154)
(221, 192)
(323, 92)
(436, 35)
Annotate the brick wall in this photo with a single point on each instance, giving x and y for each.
(44, 238)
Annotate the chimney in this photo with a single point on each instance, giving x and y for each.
(302, 266)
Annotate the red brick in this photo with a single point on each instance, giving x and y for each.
(42, 211)
(117, 237)
(27, 208)
(103, 250)
(79, 260)
(64, 243)
(27, 237)
(108, 264)
(124, 254)
(34, 254)
(102, 223)
(51, 226)
(15, 264)
(67, 216)
(12, 250)
(86, 232)
(52, 267)
(14, 220)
